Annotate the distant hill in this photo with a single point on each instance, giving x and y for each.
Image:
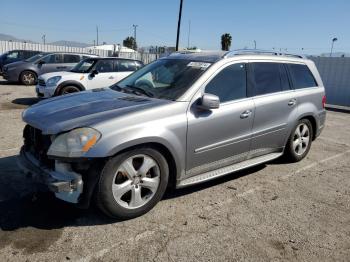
(69, 43)
(5, 37)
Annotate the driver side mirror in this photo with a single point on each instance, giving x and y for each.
(209, 101)
(93, 73)
(41, 62)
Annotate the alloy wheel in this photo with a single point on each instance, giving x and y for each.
(301, 139)
(136, 181)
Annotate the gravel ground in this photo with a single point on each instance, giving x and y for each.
(277, 211)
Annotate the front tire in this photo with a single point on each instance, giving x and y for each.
(299, 142)
(28, 78)
(68, 90)
(132, 183)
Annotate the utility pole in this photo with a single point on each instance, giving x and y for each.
(254, 44)
(189, 33)
(178, 27)
(135, 26)
(44, 39)
(96, 35)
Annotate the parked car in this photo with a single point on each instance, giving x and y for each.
(179, 121)
(88, 74)
(14, 56)
(27, 71)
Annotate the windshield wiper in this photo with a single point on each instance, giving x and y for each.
(136, 90)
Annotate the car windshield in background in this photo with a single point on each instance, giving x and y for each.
(84, 66)
(34, 58)
(164, 78)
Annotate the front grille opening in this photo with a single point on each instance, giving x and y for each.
(38, 144)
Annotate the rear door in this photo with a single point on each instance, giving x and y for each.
(275, 106)
(222, 136)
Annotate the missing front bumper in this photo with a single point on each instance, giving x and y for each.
(63, 181)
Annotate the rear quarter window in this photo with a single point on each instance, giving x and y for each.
(301, 76)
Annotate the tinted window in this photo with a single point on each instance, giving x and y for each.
(52, 59)
(71, 58)
(104, 66)
(301, 76)
(267, 78)
(229, 84)
(14, 54)
(126, 65)
(284, 77)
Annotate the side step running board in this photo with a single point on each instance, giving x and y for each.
(227, 170)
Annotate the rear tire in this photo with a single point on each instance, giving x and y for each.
(132, 183)
(68, 90)
(299, 142)
(28, 78)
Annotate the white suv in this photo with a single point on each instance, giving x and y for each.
(90, 73)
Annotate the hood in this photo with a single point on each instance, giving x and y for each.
(15, 64)
(49, 75)
(87, 108)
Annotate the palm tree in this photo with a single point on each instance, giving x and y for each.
(226, 40)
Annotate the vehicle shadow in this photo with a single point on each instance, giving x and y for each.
(5, 82)
(23, 206)
(26, 101)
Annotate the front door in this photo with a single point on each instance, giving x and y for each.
(105, 77)
(221, 137)
(51, 63)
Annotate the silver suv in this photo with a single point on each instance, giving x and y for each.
(179, 121)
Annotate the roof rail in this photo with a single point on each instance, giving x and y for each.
(259, 52)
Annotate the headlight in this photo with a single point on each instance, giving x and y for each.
(74, 143)
(53, 80)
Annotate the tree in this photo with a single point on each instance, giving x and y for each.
(226, 40)
(130, 42)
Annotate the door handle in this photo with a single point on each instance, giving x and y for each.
(111, 77)
(246, 114)
(292, 102)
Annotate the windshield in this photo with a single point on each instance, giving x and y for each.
(35, 58)
(84, 66)
(164, 78)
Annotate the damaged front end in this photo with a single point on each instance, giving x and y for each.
(71, 180)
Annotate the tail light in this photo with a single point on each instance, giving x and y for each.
(324, 101)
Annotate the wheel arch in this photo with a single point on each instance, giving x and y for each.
(165, 151)
(26, 70)
(68, 83)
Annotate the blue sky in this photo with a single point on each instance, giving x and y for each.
(293, 24)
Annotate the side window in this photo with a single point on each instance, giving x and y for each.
(104, 66)
(301, 76)
(267, 78)
(229, 84)
(71, 58)
(126, 65)
(138, 65)
(13, 55)
(284, 77)
(52, 59)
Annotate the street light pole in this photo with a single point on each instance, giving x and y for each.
(254, 44)
(178, 26)
(333, 40)
(96, 35)
(135, 26)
